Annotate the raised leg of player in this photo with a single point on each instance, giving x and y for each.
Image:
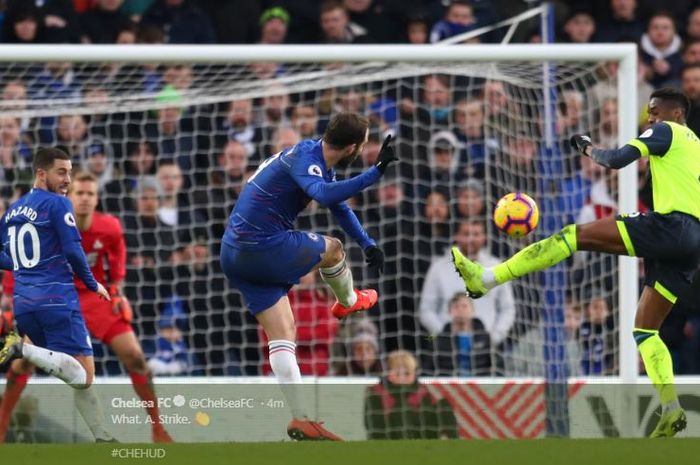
(129, 352)
(336, 273)
(600, 236)
(16, 380)
(653, 309)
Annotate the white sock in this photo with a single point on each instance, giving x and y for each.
(339, 278)
(58, 364)
(489, 278)
(283, 361)
(88, 405)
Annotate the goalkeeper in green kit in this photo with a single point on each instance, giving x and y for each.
(668, 238)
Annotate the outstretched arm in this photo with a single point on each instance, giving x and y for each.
(614, 158)
(654, 141)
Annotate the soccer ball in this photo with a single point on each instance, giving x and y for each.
(516, 214)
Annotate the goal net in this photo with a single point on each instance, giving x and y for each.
(173, 141)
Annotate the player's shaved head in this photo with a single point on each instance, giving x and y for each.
(671, 99)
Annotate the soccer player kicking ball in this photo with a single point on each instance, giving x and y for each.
(41, 245)
(102, 241)
(263, 256)
(667, 238)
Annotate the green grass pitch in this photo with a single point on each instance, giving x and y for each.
(536, 452)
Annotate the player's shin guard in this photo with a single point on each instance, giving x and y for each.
(284, 365)
(658, 364)
(339, 279)
(535, 257)
(58, 364)
(13, 390)
(89, 407)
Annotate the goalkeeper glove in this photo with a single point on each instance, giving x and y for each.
(374, 258)
(580, 142)
(386, 155)
(120, 304)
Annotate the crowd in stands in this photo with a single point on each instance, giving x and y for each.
(173, 174)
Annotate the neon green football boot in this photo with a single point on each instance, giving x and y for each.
(471, 273)
(670, 424)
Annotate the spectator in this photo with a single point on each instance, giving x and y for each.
(336, 25)
(140, 164)
(691, 53)
(56, 20)
(463, 347)
(362, 357)
(417, 30)
(25, 27)
(238, 125)
(661, 50)
(98, 159)
(434, 226)
(305, 120)
(176, 209)
(690, 83)
(14, 97)
(151, 245)
(470, 201)
(350, 99)
(526, 358)
(172, 131)
(72, 135)
(273, 25)
(624, 23)
(102, 24)
(370, 15)
(273, 113)
(459, 18)
(399, 407)
(692, 30)
(284, 137)
(469, 129)
(128, 34)
(15, 155)
(598, 343)
(172, 356)
(607, 135)
(432, 112)
(497, 312)
(316, 327)
(443, 170)
(580, 27)
(227, 181)
(181, 21)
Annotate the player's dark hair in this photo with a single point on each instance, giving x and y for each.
(345, 129)
(673, 96)
(45, 156)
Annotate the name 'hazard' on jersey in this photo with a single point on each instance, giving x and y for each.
(39, 233)
(283, 186)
